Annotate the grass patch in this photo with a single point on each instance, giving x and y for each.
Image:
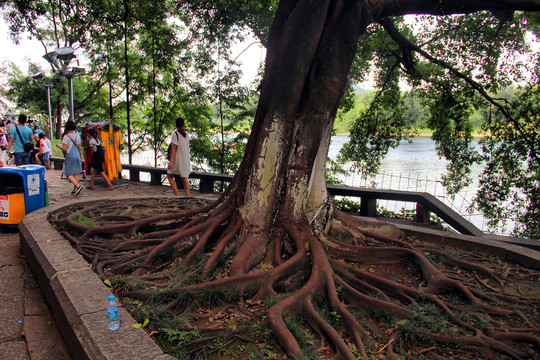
(85, 220)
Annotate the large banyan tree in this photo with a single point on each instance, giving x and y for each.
(357, 287)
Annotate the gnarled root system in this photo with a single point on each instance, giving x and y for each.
(210, 289)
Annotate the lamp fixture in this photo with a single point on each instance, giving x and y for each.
(37, 76)
(52, 58)
(65, 54)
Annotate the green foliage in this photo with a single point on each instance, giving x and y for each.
(295, 326)
(381, 315)
(214, 298)
(450, 114)
(178, 337)
(378, 128)
(461, 83)
(401, 214)
(175, 60)
(84, 220)
(271, 301)
(347, 205)
(510, 182)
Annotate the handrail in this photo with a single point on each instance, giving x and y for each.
(425, 202)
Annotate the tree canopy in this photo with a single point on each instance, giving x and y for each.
(274, 236)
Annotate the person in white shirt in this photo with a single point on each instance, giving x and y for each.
(179, 163)
(45, 150)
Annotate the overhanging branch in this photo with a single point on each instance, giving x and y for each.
(407, 46)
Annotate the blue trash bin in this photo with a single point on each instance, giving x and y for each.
(33, 183)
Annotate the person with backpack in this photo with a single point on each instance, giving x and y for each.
(98, 158)
(20, 137)
(179, 163)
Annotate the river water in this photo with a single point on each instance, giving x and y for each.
(416, 167)
(410, 167)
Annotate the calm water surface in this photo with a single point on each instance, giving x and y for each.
(415, 166)
(418, 158)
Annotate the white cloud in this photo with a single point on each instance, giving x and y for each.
(28, 50)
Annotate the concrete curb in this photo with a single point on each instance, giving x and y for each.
(77, 296)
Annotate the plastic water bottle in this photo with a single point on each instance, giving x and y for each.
(113, 320)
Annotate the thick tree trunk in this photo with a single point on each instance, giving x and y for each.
(310, 51)
(303, 84)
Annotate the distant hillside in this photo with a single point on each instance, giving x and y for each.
(358, 89)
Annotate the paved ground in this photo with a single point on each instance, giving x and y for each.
(27, 328)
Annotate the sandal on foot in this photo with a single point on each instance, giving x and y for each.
(79, 189)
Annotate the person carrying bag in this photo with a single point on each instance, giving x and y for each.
(27, 146)
(71, 147)
(17, 136)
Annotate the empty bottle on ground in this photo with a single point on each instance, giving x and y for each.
(113, 320)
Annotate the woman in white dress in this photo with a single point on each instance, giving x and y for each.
(179, 163)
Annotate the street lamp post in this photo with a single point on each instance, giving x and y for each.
(65, 55)
(68, 74)
(49, 86)
(39, 77)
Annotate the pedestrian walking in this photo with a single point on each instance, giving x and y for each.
(3, 146)
(71, 146)
(20, 137)
(98, 158)
(179, 160)
(45, 150)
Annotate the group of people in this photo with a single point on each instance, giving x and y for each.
(16, 136)
(71, 147)
(179, 161)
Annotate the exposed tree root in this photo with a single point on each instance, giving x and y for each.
(349, 292)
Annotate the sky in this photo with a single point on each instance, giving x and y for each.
(27, 50)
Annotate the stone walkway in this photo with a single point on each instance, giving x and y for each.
(27, 327)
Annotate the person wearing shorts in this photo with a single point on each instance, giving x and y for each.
(45, 150)
(98, 159)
